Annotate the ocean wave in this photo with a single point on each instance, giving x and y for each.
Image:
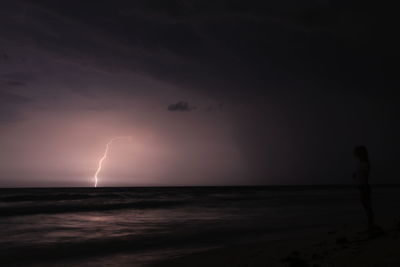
(101, 246)
(83, 207)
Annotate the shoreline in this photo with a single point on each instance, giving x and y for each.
(344, 247)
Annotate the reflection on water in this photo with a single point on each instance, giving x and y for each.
(74, 224)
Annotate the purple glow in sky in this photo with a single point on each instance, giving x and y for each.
(104, 157)
(220, 93)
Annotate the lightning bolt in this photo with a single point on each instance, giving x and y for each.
(100, 165)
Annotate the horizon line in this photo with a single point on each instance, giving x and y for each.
(189, 186)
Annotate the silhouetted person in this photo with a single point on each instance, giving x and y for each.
(361, 175)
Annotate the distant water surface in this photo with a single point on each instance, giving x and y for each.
(140, 225)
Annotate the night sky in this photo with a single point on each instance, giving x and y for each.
(219, 92)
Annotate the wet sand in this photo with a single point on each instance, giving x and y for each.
(342, 247)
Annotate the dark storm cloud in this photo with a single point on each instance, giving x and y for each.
(7, 98)
(301, 77)
(12, 83)
(15, 79)
(216, 107)
(21, 77)
(3, 57)
(180, 106)
(199, 39)
(10, 105)
(219, 47)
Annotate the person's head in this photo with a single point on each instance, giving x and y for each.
(361, 153)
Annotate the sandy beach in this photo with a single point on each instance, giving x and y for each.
(342, 247)
(288, 227)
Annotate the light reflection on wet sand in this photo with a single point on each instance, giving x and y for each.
(112, 237)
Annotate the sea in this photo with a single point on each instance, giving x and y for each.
(137, 226)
